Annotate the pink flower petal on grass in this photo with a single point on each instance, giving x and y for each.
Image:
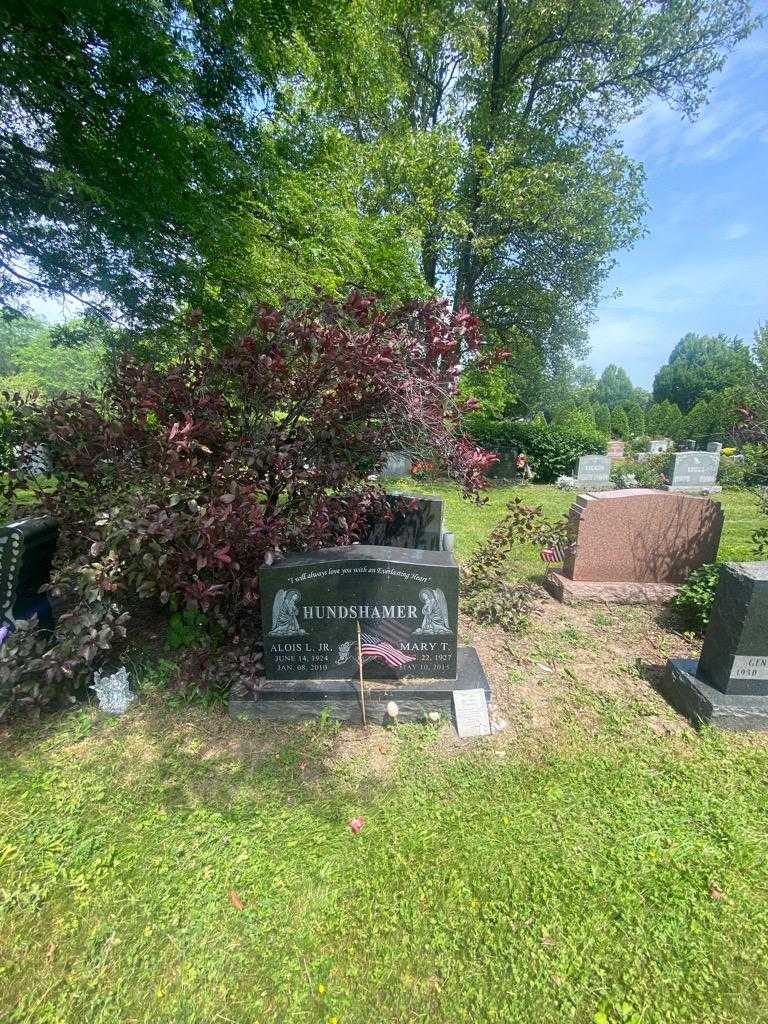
(356, 824)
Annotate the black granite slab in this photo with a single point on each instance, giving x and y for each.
(734, 657)
(417, 522)
(27, 548)
(405, 600)
(701, 703)
(297, 699)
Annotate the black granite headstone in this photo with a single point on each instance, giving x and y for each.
(728, 686)
(406, 602)
(417, 522)
(27, 548)
(734, 657)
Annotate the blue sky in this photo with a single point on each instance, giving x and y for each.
(703, 265)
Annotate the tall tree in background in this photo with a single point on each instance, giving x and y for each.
(701, 366)
(150, 159)
(157, 154)
(508, 167)
(614, 386)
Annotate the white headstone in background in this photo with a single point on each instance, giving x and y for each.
(397, 464)
(659, 445)
(594, 471)
(715, 446)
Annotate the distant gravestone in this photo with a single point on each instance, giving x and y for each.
(27, 548)
(635, 545)
(659, 445)
(406, 602)
(715, 446)
(33, 459)
(695, 472)
(506, 467)
(593, 472)
(416, 522)
(397, 464)
(729, 685)
(616, 450)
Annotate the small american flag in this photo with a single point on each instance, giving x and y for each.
(554, 553)
(375, 647)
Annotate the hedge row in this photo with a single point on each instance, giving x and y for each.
(552, 451)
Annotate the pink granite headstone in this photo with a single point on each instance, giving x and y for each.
(641, 536)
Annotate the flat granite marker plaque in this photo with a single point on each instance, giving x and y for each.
(406, 602)
(635, 545)
(471, 708)
(417, 525)
(728, 686)
(594, 471)
(695, 472)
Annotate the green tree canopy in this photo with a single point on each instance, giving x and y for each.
(603, 418)
(635, 418)
(620, 424)
(700, 366)
(614, 386)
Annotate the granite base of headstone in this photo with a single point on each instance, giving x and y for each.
(27, 548)
(635, 546)
(728, 686)
(414, 521)
(694, 473)
(405, 603)
(593, 472)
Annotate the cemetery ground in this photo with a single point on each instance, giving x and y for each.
(596, 861)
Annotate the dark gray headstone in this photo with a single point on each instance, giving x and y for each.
(406, 602)
(594, 471)
(27, 548)
(734, 658)
(416, 522)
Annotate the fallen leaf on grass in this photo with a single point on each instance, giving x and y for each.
(544, 668)
(356, 824)
(234, 899)
(302, 765)
(49, 952)
(715, 891)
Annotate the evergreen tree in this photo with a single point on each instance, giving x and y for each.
(603, 418)
(614, 386)
(636, 419)
(620, 423)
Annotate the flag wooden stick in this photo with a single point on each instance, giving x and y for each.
(360, 673)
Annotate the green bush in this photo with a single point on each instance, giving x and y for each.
(696, 597)
(731, 474)
(552, 451)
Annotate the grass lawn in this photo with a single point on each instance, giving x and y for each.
(471, 523)
(596, 862)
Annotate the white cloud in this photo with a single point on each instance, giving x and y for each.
(731, 117)
(733, 232)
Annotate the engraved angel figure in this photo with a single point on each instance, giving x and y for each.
(285, 614)
(434, 613)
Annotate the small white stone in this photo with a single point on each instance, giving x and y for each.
(392, 709)
(433, 716)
